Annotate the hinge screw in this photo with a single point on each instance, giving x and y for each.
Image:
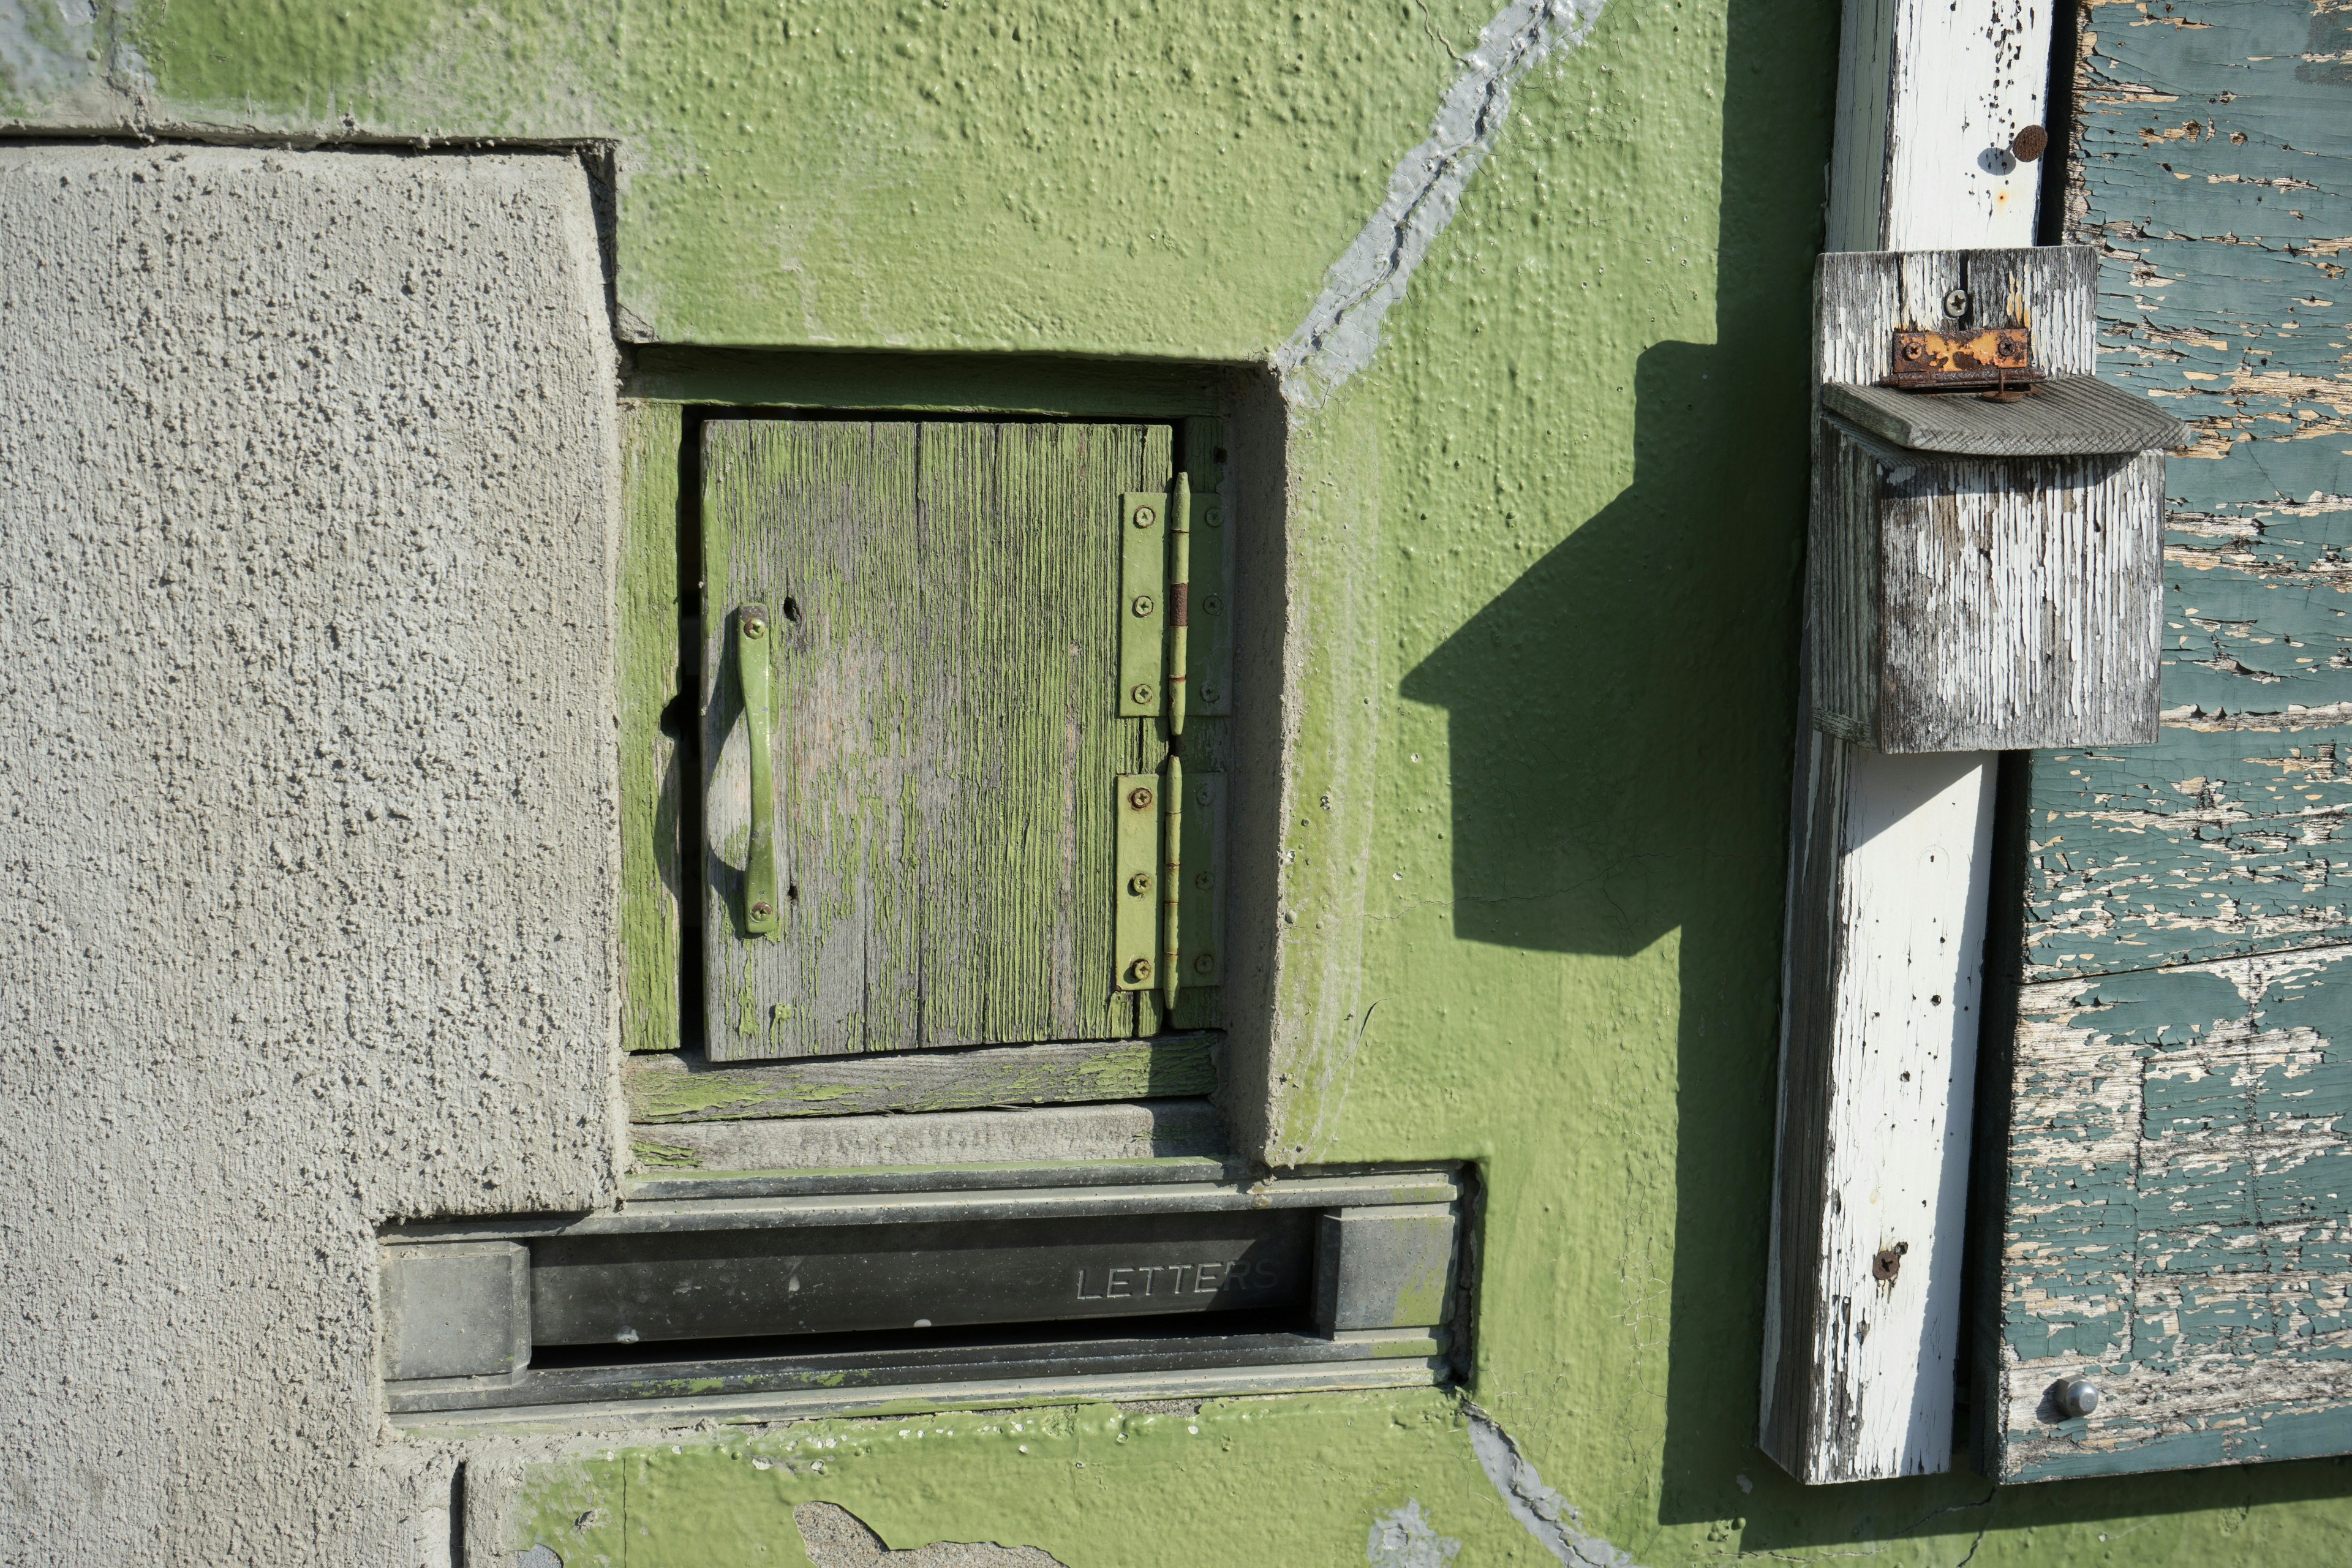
(1202, 882)
(761, 912)
(1212, 518)
(1145, 517)
(1139, 884)
(1955, 303)
(1143, 605)
(753, 627)
(1215, 604)
(1205, 963)
(1139, 797)
(1208, 694)
(1141, 693)
(1139, 971)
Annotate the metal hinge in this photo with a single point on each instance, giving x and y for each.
(1993, 359)
(1166, 868)
(1153, 933)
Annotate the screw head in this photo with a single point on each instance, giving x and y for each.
(753, 627)
(1205, 963)
(2080, 1397)
(762, 910)
(1913, 351)
(1145, 517)
(1212, 518)
(1208, 694)
(1139, 884)
(1201, 880)
(1215, 604)
(1955, 303)
(1139, 797)
(1139, 971)
(1144, 605)
(1141, 692)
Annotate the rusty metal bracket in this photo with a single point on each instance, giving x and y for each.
(1996, 359)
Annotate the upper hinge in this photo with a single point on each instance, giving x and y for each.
(1992, 359)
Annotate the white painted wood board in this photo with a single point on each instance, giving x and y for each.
(1929, 90)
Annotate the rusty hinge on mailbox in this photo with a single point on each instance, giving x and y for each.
(1997, 360)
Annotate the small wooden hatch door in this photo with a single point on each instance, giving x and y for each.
(939, 605)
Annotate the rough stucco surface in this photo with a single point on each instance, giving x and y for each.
(305, 920)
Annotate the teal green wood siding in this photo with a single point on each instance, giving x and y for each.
(2177, 1220)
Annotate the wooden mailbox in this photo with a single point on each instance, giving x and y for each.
(1984, 565)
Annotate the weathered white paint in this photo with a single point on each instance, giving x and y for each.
(1342, 329)
(1930, 93)
(306, 921)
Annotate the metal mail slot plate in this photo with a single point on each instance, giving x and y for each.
(695, 1285)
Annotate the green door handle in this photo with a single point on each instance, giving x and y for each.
(753, 668)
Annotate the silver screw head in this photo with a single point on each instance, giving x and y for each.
(1955, 303)
(2080, 1397)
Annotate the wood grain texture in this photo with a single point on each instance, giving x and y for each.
(2065, 416)
(652, 776)
(1973, 603)
(2174, 1223)
(945, 683)
(2224, 227)
(1962, 604)
(1879, 1024)
(2178, 1225)
(1931, 93)
(1857, 1122)
(671, 1089)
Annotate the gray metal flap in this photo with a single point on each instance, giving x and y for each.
(457, 1309)
(2066, 416)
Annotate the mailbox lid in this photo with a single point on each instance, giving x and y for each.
(850, 1278)
(2063, 416)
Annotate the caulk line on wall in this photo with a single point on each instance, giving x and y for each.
(1542, 1513)
(1342, 330)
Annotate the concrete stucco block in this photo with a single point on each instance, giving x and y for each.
(307, 913)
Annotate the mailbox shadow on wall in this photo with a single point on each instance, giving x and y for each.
(1619, 721)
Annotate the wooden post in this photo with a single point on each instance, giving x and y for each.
(1889, 860)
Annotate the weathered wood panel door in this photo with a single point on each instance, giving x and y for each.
(2166, 1204)
(941, 604)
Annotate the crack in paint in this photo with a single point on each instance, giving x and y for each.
(1555, 1523)
(1342, 330)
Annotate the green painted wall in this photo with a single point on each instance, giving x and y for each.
(1548, 542)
